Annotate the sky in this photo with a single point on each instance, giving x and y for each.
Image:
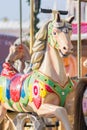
(10, 8)
(54, 4)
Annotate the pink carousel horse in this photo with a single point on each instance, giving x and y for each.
(18, 55)
(46, 90)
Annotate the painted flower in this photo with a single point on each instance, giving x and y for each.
(43, 91)
(36, 89)
(37, 92)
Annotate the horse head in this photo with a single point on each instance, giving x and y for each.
(59, 32)
(18, 55)
(15, 52)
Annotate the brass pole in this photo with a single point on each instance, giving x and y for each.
(79, 46)
(31, 24)
(20, 21)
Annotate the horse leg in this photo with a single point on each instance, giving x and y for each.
(7, 124)
(2, 113)
(4, 124)
(5, 121)
(11, 123)
(59, 112)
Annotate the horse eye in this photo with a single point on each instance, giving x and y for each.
(16, 45)
(54, 33)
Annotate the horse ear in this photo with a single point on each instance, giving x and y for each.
(17, 42)
(70, 19)
(20, 47)
(57, 18)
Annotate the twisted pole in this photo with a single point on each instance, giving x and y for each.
(31, 24)
(79, 46)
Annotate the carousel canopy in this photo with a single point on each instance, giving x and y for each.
(75, 31)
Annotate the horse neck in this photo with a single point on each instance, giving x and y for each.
(52, 66)
(19, 65)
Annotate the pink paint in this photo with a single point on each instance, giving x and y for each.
(8, 70)
(35, 89)
(37, 101)
(48, 88)
(15, 88)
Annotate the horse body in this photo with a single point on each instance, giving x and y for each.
(46, 88)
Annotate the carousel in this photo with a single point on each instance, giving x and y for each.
(42, 95)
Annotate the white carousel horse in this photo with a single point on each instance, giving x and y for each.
(80, 119)
(47, 89)
(18, 55)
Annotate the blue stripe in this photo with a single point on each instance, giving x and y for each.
(8, 88)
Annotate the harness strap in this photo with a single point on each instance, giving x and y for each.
(60, 90)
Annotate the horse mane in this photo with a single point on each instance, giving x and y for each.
(39, 47)
(26, 52)
(79, 123)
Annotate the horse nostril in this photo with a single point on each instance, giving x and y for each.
(8, 60)
(72, 50)
(64, 48)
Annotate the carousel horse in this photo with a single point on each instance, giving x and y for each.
(18, 56)
(46, 90)
(80, 118)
